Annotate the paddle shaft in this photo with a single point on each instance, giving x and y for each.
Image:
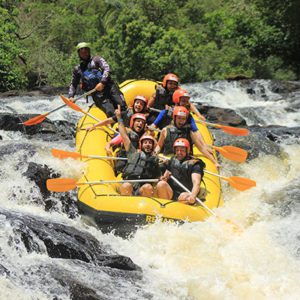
(105, 157)
(197, 199)
(208, 172)
(118, 181)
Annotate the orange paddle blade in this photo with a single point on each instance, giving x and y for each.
(234, 130)
(61, 184)
(36, 120)
(71, 104)
(240, 183)
(61, 154)
(233, 153)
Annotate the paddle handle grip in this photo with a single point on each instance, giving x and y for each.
(197, 199)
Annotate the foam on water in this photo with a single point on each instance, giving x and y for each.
(266, 108)
(212, 260)
(204, 260)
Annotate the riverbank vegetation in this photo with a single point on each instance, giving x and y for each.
(198, 40)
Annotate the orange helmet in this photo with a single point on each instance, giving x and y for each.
(136, 116)
(142, 98)
(179, 93)
(147, 137)
(183, 143)
(180, 111)
(168, 77)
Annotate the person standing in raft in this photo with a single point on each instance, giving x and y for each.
(94, 72)
(141, 164)
(162, 98)
(139, 106)
(181, 129)
(186, 170)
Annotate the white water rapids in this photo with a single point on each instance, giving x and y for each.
(205, 260)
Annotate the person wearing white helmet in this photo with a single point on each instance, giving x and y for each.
(95, 72)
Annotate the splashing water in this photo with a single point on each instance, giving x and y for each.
(203, 260)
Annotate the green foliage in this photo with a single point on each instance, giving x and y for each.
(11, 76)
(198, 40)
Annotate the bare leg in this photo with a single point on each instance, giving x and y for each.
(163, 190)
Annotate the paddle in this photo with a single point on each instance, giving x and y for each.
(232, 153)
(238, 183)
(62, 154)
(232, 223)
(41, 118)
(67, 184)
(225, 128)
(78, 108)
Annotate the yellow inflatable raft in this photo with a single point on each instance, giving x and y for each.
(111, 211)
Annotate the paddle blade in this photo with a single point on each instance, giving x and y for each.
(71, 104)
(233, 153)
(234, 130)
(35, 120)
(61, 184)
(62, 154)
(240, 183)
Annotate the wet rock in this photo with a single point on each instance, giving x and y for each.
(78, 291)
(46, 130)
(62, 241)
(67, 201)
(256, 143)
(36, 91)
(278, 134)
(39, 174)
(221, 115)
(13, 147)
(264, 140)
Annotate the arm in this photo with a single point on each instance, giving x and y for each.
(151, 100)
(194, 127)
(196, 180)
(122, 129)
(196, 111)
(160, 117)
(201, 145)
(161, 140)
(104, 66)
(117, 140)
(101, 123)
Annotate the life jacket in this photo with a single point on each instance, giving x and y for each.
(173, 133)
(163, 97)
(183, 172)
(90, 78)
(141, 165)
(134, 139)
